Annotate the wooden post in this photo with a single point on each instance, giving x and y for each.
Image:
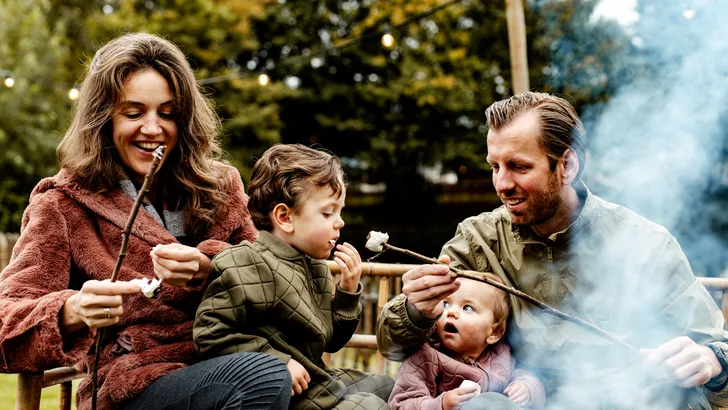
(382, 299)
(517, 45)
(27, 395)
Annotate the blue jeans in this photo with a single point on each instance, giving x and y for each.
(251, 381)
(491, 401)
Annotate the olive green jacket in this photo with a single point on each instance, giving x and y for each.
(268, 297)
(612, 268)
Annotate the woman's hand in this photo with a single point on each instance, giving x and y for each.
(97, 304)
(299, 375)
(349, 262)
(177, 264)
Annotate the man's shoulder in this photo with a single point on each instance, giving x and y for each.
(620, 214)
(626, 223)
(487, 223)
(498, 215)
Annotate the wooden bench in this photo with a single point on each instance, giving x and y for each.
(386, 278)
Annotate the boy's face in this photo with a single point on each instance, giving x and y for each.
(317, 221)
(467, 324)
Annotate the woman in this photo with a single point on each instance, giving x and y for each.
(139, 93)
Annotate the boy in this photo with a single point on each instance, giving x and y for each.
(276, 296)
(467, 348)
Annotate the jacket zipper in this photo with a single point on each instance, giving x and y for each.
(554, 280)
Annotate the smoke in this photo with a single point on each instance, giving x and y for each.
(657, 147)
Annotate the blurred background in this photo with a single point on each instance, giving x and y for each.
(397, 90)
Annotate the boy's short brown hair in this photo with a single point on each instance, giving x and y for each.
(284, 175)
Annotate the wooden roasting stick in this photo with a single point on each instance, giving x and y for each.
(148, 178)
(515, 292)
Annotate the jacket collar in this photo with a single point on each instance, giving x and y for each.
(524, 234)
(114, 206)
(278, 247)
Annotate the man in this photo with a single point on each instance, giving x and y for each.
(599, 261)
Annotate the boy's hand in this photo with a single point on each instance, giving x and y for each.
(455, 398)
(299, 375)
(349, 262)
(518, 392)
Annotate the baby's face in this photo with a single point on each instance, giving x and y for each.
(467, 324)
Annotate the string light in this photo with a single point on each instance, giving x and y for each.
(9, 82)
(73, 93)
(387, 40)
(263, 79)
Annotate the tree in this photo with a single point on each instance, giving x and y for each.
(35, 110)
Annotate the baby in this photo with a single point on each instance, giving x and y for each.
(468, 347)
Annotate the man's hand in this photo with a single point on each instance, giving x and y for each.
(455, 398)
(427, 285)
(519, 393)
(687, 363)
(349, 261)
(299, 375)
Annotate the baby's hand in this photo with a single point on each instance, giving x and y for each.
(518, 392)
(349, 262)
(455, 398)
(299, 375)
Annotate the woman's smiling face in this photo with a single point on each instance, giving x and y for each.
(145, 120)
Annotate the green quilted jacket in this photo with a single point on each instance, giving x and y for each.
(268, 297)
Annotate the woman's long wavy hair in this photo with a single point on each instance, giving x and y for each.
(188, 177)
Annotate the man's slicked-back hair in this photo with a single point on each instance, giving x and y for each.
(286, 174)
(561, 128)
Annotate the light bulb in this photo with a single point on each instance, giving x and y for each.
(387, 40)
(9, 82)
(263, 79)
(73, 93)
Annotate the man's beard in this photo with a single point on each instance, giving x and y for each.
(542, 206)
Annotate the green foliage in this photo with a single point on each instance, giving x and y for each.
(35, 109)
(387, 111)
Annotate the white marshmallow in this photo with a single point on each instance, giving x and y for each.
(469, 383)
(148, 287)
(376, 241)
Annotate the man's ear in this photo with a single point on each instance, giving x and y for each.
(280, 216)
(569, 164)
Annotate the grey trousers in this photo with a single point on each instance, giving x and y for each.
(250, 381)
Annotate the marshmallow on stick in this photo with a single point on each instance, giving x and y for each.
(376, 241)
(150, 287)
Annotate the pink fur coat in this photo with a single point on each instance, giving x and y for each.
(70, 235)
